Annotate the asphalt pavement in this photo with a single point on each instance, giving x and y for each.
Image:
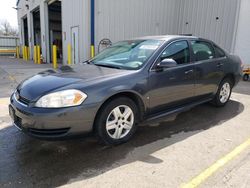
(168, 154)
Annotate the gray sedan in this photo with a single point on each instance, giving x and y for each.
(133, 81)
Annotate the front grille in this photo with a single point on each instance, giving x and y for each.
(18, 121)
(48, 132)
(23, 100)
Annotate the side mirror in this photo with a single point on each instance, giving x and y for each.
(166, 63)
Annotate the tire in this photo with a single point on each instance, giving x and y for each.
(245, 77)
(223, 94)
(112, 126)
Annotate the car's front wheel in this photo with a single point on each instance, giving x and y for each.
(224, 93)
(116, 122)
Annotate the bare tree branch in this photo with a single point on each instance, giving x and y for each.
(6, 29)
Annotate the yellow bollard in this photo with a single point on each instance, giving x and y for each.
(28, 53)
(17, 52)
(38, 54)
(35, 56)
(23, 52)
(54, 57)
(92, 48)
(69, 54)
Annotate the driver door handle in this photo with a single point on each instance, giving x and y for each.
(219, 64)
(189, 71)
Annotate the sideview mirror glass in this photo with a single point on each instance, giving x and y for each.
(167, 63)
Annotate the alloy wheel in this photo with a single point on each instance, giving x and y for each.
(120, 122)
(225, 92)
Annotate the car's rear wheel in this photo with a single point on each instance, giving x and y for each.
(116, 122)
(245, 77)
(224, 93)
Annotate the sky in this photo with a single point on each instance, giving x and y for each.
(7, 12)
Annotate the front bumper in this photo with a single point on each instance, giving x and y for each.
(52, 123)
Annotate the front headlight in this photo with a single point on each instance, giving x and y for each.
(62, 99)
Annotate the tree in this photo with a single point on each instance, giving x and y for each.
(6, 29)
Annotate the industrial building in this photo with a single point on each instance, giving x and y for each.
(78, 26)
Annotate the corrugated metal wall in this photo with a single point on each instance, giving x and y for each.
(120, 19)
(123, 19)
(8, 42)
(212, 19)
(242, 43)
(76, 14)
(198, 17)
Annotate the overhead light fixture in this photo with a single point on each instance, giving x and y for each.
(16, 8)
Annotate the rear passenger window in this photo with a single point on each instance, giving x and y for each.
(219, 52)
(202, 50)
(178, 51)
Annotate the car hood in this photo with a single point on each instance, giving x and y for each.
(50, 80)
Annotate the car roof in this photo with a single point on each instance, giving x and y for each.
(166, 37)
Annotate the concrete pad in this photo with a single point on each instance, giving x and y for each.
(235, 174)
(181, 160)
(163, 156)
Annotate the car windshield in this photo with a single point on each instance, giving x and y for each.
(130, 55)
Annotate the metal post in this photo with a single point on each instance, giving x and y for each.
(54, 56)
(92, 51)
(35, 54)
(92, 22)
(69, 54)
(17, 52)
(23, 52)
(38, 55)
(28, 53)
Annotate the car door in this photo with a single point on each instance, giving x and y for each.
(208, 68)
(173, 86)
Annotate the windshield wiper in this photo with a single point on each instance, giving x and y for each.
(87, 62)
(108, 66)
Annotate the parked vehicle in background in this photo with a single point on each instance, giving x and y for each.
(130, 82)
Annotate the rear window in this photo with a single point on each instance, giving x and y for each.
(202, 50)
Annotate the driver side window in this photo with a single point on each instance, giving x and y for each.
(178, 51)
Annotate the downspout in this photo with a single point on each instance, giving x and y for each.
(92, 27)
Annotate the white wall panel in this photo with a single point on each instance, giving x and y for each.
(242, 45)
(123, 19)
(8, 42)
(198, 17)
(120, 19)
(76, 13)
